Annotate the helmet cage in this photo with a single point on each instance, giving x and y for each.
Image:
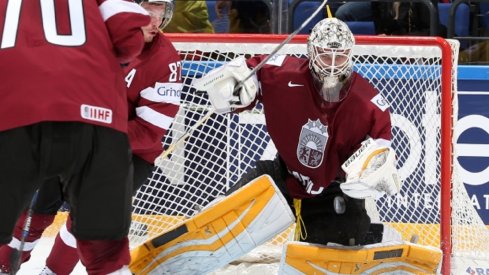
(329, 47)
(330, 62)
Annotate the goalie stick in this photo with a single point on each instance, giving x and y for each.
(160, 159)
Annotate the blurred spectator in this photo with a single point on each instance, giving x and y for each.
(222, 21)
(245, 16)
(355, 11)
(404, 18)
(190, 16)
(477, 54)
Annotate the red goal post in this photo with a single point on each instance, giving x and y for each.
(416, 75)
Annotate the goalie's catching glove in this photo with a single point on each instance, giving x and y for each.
(371, 172)
(221, 84)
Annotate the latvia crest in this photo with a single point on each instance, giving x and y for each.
(312, 142)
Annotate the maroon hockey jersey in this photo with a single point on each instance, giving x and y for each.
(154, 85)
(313, 137)
(60, 60)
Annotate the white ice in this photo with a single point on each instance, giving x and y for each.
(41, 251)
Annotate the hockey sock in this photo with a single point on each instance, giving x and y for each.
(39, 223)
(102, 257)
(64, 256)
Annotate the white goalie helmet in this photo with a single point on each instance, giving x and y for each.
(166, 15)
(329, 47)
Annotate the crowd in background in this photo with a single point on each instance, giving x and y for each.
(389, 18)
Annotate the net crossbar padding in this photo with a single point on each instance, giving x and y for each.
(416, 75)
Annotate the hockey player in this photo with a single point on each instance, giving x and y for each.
(332, 131)
(153, 82)
(63, 115)
(318, 112)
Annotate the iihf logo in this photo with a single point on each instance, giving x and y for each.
(312, 142)
(96, 113)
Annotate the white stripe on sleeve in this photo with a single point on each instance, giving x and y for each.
(153, 117)
(110, 8)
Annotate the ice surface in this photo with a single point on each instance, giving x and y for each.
(248, 266)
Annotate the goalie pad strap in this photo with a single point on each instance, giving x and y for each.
(169, 236)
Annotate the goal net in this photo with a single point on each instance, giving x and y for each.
(417, 76)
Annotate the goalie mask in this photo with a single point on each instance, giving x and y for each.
(160, 10)
(329, 47)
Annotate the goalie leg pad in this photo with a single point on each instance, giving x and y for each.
(220, 234)
(397, 257)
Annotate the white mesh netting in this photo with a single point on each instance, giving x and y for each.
(409, 74)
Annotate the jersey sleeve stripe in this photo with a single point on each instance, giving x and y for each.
(151, 116)
(110, 8)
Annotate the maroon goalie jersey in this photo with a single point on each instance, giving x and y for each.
(60, 60)
(314, 138)
(154, 85)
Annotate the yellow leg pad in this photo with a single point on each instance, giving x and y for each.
(383, 258)
(218, 235)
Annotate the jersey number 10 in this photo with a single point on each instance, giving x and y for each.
(77, 21)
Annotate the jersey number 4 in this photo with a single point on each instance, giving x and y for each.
(77, 21)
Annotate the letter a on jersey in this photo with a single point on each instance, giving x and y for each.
(223, 232)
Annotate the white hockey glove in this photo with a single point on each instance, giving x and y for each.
(220, 85)
(370, 172)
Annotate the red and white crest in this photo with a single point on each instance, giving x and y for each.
(312, 143)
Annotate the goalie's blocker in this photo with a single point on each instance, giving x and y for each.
(221, 233)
